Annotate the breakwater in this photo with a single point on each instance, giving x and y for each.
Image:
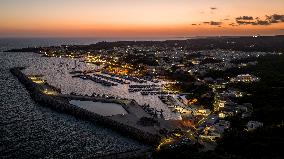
(61, 105)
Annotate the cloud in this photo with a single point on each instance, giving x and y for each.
(249, 20)
(241, 22)
(213, 23)
(212, 10)
(275, 18)
(244, 18)
(257, 22)
(233, 24)
(261, 22)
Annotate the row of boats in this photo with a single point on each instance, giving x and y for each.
(95, 79)
(131, 90)
(112, 79)
(129, 78)
(144, 88)
(156, 93)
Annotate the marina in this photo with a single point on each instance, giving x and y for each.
(56, 72)
(128, 119)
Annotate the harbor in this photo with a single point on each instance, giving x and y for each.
(127, 123)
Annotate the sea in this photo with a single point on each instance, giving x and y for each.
(29, 130)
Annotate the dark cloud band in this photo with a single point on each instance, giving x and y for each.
(213, 23)
(249, 20)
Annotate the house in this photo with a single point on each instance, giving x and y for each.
(203, 112)
(222, 115)
(245, 78)
(252, 125)
(211, 136)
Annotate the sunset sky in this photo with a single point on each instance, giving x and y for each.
(140, 18)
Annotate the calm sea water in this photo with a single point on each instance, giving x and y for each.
(29, 130)
(36, 42)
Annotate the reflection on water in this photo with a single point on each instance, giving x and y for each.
(105, 109)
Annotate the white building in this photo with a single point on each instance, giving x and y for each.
(247, 78)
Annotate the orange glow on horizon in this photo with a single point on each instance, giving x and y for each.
(134, 18)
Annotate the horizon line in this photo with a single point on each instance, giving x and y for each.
(138, 37)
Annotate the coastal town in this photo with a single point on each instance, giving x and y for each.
(177, 89)
(141, 79)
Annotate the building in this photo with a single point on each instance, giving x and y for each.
(252, 125)
(247, 78)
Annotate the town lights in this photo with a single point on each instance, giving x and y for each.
(164, 142)
(49, 92)
(36, 80)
